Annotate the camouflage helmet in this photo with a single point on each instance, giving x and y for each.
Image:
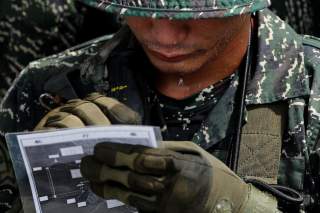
(180, 9)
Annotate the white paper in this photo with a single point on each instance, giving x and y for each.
(52, 161)
(114, 203)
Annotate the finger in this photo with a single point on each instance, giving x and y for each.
(117, 112)
(42, 122)
(138, 158)
(63, 120)
(117, 155)
(156, 164)
(88, 112)
(109, 191)
(100, 173)
(146, 184)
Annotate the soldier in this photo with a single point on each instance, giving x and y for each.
(30, 30)
(228, 76)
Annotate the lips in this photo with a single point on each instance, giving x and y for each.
(171, 56)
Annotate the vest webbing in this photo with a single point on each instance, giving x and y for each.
(261, 141)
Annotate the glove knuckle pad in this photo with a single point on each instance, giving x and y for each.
(118, 112)
(63, 120)
(87, 111)
(144, 184)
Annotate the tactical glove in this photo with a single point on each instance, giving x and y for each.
(177, 177)
(95, 109)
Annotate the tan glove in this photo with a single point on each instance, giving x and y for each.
(95, 109)
(178, 177)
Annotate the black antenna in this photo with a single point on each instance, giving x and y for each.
(243, 79)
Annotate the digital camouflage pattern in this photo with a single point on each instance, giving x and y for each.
(31, 29)
(287, 70)
(181, 119)
(180, 9)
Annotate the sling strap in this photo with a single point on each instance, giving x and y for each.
(261, 142)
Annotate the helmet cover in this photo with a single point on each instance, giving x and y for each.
(180, 9)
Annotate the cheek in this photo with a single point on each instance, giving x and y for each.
(139, 26)
(212, 29)
(204, 34)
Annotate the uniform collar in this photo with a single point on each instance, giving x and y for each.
(280, 72)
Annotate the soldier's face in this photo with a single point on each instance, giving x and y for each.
(185, 46)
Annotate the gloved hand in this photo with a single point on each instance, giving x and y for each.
(95, 109)
(177, 177)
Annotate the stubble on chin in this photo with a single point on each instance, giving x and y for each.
(196, 63)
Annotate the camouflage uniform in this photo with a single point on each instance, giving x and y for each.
(300, 14)
(287, 70)
(34, 29)
(26, 35)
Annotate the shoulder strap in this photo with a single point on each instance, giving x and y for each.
(261, 141)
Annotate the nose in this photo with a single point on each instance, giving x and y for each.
(169, 32)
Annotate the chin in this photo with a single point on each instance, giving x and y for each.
(181, 70)
(176, 68)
